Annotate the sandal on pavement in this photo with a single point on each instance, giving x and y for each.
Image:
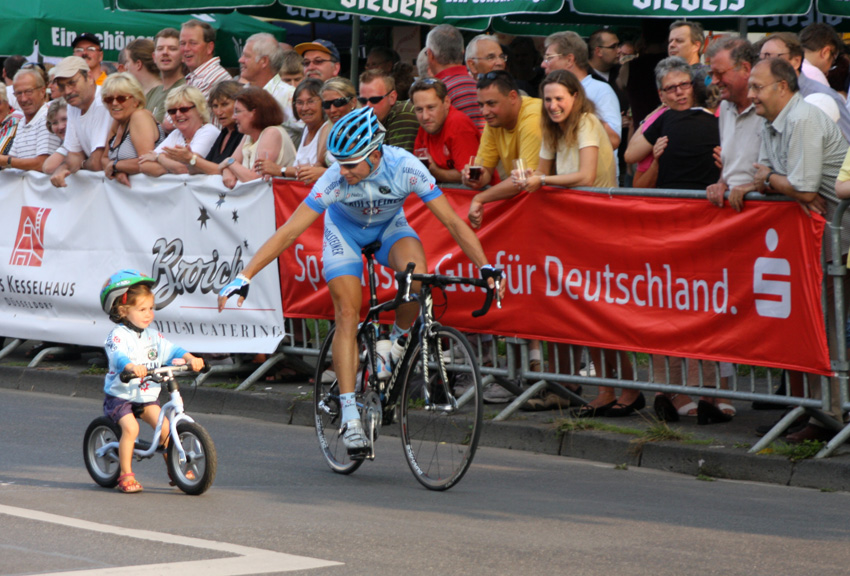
(590, 411)
(708, 413)
(190, 476)
(127, 483)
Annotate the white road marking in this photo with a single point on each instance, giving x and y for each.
(246, 560)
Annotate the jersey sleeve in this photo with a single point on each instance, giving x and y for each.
(325, 191)
(419, 180)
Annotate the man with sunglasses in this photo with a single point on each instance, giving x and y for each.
(321, 59)
(87, 46)
(362, 196)
(88, 120)
(377, 91)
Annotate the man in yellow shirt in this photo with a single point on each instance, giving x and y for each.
(512, 130)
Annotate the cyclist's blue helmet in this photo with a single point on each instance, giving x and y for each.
(118, 284)
(356, 135)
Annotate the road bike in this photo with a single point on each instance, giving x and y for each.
(191, 456)
(435, 386)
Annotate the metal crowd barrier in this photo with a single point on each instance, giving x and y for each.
(511, 368)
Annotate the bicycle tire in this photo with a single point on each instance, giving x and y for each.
(327, 410)
(201, 459)
(105, 469)
(438, 440)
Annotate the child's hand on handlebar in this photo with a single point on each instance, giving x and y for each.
(139, 370)
(238, 286)
(197, 364)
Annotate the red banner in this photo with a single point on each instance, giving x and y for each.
(661, 275)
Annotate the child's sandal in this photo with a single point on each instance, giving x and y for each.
(190, 476)
(128, 484)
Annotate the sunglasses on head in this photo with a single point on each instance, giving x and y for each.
(181, 109)
(108, 100)
(372, 99)
(338, 102)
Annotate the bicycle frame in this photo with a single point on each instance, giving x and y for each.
(173, 410)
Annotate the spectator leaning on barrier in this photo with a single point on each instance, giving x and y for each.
(567, 51)
(87, 46)
(188, 109)
(57, 118)
(266, 146)
(801, 154)
(444, 49)
(134, 131)
(169, 62)
(785, 45)
(321, 59)
(483, 54)
(197, 46)
(732, 60)
(377, 91)
(448, 135)
(32, 143)
(88, 120)
(512, 131)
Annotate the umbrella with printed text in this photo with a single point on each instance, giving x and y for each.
(47, 28)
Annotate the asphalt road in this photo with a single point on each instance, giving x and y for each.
(276, 508)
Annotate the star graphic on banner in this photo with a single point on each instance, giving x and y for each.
(235, 217)
(245, 243)
(203, 217)
(221, 197)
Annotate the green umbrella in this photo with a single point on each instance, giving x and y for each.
(692, 9)
(48, 27)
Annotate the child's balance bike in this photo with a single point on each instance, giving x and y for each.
(191, 457)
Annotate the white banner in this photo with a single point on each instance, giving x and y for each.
(191, 234)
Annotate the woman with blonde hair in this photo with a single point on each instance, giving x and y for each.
(134, 131)
(191, 118)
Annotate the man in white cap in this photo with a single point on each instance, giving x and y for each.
(88, 119)
(321, 59)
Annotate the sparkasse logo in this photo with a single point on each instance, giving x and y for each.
(29, 244)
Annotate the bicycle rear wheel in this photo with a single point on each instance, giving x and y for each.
(327, 410)
(441, 417)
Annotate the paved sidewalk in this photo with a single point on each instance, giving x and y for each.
(719, 450)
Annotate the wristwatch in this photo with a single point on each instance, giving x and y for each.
(543, 179)
(767, 180)
(193, 160)
(8, 161)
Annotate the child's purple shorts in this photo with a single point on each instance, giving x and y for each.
(116, 408)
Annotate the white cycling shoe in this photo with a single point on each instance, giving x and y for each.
(354, 437)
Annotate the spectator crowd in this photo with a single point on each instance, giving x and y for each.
(670, 109)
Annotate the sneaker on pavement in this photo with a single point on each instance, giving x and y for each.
(589, 371)
(354, 436)
(495, 394)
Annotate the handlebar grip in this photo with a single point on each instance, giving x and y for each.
(126, 376)
(487, 302)
(206, 367)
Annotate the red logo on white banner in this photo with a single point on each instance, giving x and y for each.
(29, 244)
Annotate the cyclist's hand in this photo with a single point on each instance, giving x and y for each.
(491, 275)
(238, 286)
(197, 364)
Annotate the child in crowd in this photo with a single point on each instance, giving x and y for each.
(128, 300)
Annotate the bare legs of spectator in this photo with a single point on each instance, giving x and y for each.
(611, 364)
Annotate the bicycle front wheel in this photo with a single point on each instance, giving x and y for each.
(327, 410)
(441, 415)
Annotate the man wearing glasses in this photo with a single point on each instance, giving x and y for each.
(377, 91)
(484, 54)
(321, 59)
(33, 143)
(88, 120)
(87, 47)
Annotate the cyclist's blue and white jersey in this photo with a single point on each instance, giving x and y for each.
(376, 199)
(149, 348)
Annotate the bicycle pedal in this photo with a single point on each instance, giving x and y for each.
(358, 453)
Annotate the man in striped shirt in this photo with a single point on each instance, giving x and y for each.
(197, 44)
(33, 143)
(444, 47)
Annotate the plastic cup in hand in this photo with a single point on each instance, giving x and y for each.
(422, 155)
(519, 174)
(475, 171)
